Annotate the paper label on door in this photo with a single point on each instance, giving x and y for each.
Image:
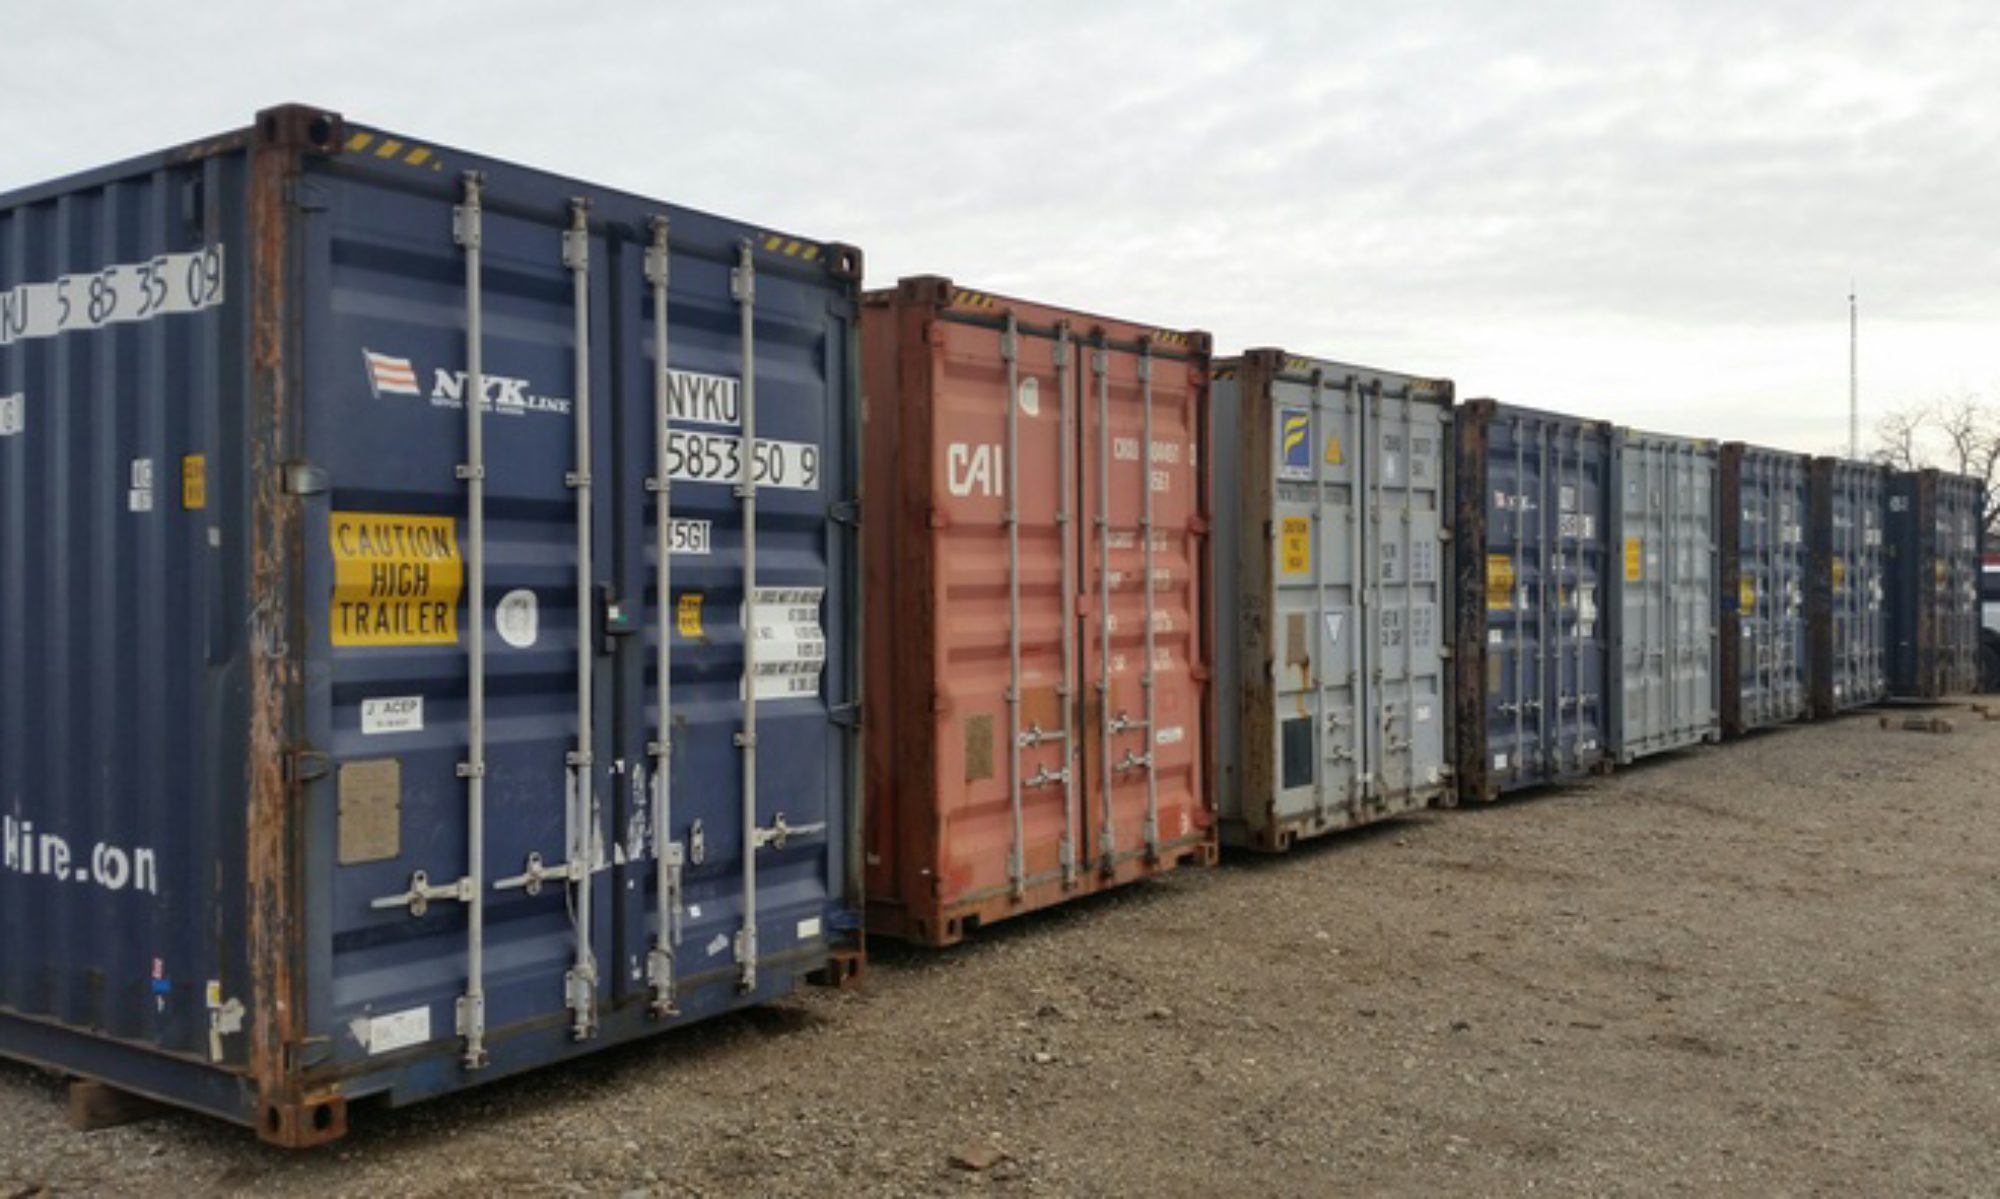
(1294, 443)
(397, 714)
(809, 928)
(791, 645)
(1746, 596)
(1634, 554)
(1296, 551)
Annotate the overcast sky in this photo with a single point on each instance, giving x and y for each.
(1650, 212)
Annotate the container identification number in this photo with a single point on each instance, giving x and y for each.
(165, 285)
(694, 457)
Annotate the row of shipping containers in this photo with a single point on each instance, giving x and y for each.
(454, 618)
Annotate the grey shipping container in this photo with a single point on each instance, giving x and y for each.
(1763, 511)
(1933, 535)
(1534, 555)
(1664, 692)
(1846, 597)
(1332, 488)
(357, 495)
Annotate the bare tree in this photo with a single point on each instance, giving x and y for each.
(1958, 433)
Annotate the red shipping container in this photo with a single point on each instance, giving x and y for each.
(1020, 751)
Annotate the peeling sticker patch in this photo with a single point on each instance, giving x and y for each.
(718, 945)
(13, 415)
(1172, 735)
(398, 1030)
(518, 619)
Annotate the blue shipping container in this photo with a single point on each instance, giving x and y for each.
(1533, 531)
(334, 601)
(1762, 595)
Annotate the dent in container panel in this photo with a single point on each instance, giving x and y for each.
(391, 807)
(1847, 593)
(1333, 486)
(1761, 597)
(1534, 559)
(1038, 563)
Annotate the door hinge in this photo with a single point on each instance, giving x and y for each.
(306, 765)
(845, 512)
(303, 478)
(846, 716)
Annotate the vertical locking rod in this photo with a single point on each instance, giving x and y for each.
(472, 1008)
(1146, 676)
(583, 821)
(1107, 837)
(1066, 522)
(666, 848)
(1011, 517)
(743, 287)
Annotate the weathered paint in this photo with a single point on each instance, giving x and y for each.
(183, 729)
(1664, 677)
(1847, 603)
(1535, 560)
(1333, 488)
(941, 776)
(1933, 536)
(1763, 516)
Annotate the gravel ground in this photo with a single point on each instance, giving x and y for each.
(1766, 969)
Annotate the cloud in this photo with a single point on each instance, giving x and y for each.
(1646, 211)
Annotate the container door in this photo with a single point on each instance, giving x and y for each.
(1009, 799)
(1141, 607)
(1580, 497)
(452, 587)
(1404, 499)
(1518, 476)
(1323, 720)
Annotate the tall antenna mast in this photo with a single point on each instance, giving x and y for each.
(1853, 375)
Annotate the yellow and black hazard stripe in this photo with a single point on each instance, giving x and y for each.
(390, 149)
(1167, 337)
(790, 247)
(972, 299)
(1224, 373)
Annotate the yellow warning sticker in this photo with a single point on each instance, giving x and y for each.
(1297, 547)
(396, 579)
(688, 616)
(1634, 558)
(1746, 596)
(1334, 457)
(1839, 573)
(1499, 581)
(194, 482)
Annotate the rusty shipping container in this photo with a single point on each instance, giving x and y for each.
(1933, 536)
(1846, 596)
(1762, 596)
(1534, 561)
(1333, 493)
(1038, 621)
(425, 651)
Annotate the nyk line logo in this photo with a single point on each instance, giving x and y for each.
(389, 375)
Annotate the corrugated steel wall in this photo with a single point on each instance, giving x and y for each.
(1664, 692)
(1336, 483)
(1042, 622)
(124, 635)
(289, 891)
(1534, 574)
(1761, 596)
(1847, 595)
(1933, 538)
